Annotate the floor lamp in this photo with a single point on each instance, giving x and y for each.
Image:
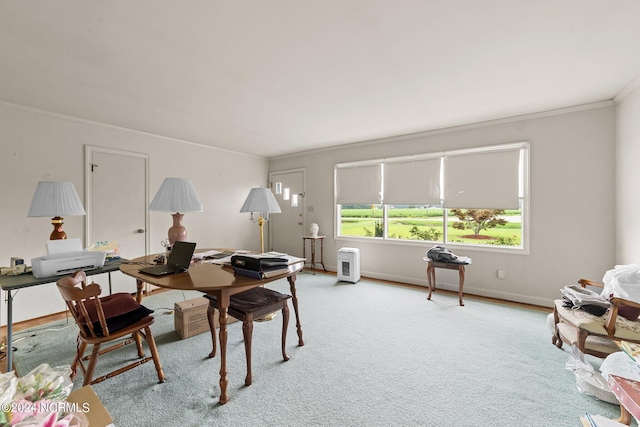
(263, 201)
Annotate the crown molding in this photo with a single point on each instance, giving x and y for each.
(631, 87)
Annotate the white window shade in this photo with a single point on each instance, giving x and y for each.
(359, 184)
(487, 180)
(415, 182)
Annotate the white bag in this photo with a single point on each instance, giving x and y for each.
(622, 282)
(588, 380)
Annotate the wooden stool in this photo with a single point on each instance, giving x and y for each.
(247, 306)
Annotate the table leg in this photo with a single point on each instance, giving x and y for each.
(139, 287)
(223, 305)
(625, 416)
(292, 287)
(461, 274)
(322, 255)
(313, 255)
(431, 278)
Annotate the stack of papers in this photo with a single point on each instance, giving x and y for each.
(224, 257)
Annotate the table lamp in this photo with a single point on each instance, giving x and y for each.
(263, 201)
(176, 195)
(55, 199)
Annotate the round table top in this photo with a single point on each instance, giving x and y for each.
(202, 276)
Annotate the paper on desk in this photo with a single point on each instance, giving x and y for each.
(63, 246)
(290, 258)
(220, 261)
(201, 255)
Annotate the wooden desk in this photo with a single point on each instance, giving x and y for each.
(313, 240)
(218, 281)
(15, 283)
(431, 275)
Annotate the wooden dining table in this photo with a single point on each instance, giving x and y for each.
(215, 280)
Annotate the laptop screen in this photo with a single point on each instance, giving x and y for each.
(181, 254)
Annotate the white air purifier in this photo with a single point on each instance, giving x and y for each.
(349, 265)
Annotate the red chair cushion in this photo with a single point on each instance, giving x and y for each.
(120, 311)
(629, 312)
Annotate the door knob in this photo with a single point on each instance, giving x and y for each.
(140, 231)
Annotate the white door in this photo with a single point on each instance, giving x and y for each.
(117, 201)
(286, 228)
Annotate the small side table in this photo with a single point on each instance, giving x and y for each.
(313, 240)
(431, 275)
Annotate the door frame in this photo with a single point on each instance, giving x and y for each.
(89, 150)
(304, 197)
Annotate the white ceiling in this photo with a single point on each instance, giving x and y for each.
(271, 77)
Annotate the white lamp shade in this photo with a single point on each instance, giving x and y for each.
(261, 200)
(55, 198)
(176, 195)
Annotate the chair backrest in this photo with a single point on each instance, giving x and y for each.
(84, 303)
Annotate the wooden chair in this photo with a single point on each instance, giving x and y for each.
(248, 306)
(105, 320)
(596, 335)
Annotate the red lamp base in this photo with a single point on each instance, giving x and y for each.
(57, 233)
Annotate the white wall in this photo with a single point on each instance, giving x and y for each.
(628, 179)
(38, 146)
(572, 204)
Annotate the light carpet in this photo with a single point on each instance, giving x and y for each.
(375, 354)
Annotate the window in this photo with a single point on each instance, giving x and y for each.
(469, 197)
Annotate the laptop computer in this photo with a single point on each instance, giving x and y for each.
(178, 262)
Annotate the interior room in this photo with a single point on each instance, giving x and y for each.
(237, 95)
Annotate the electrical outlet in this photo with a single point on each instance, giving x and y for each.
(502, 274)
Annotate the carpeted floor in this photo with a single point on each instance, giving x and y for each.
(375, 355)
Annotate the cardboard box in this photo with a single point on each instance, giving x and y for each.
(88, 402)
(190, 317)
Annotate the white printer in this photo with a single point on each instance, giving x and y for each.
(65, 257)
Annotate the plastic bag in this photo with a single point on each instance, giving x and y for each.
(620, 364)
(38, 398)
(45, 382)
(588, 380)
(8, 384)
(623, 282)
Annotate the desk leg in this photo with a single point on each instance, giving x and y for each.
(461, 274)
(292, 286)
(224, 381)
(9, 331)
